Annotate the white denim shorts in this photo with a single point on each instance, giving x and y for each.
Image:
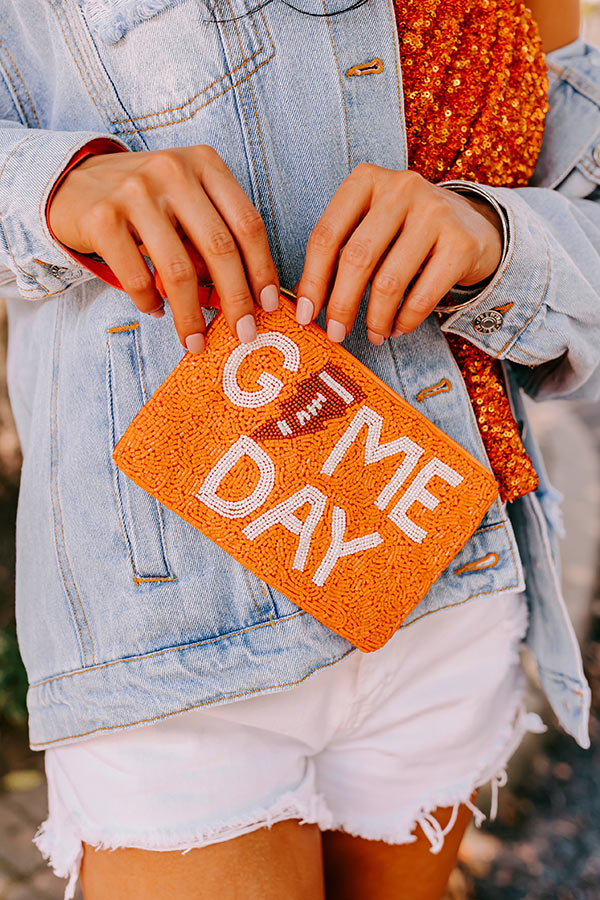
(370, 745)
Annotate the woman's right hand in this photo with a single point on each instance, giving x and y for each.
(123, 206)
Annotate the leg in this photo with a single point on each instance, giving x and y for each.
(356, 869)
(280, 863)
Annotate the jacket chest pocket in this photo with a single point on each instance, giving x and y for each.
(167, 59)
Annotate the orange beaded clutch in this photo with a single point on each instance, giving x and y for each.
(310, 471)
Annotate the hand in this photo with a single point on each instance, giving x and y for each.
(409, 236)
(123, 206)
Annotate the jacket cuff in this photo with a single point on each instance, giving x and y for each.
(41, 265)
(509, 304)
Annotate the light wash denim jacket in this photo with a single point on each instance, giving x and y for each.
(126, 613)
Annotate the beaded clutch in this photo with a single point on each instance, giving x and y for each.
(310, 471)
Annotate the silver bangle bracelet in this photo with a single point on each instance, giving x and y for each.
(462, 187)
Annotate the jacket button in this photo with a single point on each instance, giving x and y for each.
(596, 154)
(488, 322)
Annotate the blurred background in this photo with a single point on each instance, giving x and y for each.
(545, 842)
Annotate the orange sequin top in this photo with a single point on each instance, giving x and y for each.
(475, 89)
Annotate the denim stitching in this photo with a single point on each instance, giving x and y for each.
(245, 60)
(153, 653)
(252, 593)
(56, 497)
(15, 98)
(171, 576)
(139, 579)
(264, 156)
(245, 117)
(202, 106)
(198, 705)
(479, 565)
(16, 68)
(398, 85)
(341, 84)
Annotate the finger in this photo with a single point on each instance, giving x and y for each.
(217, 247)
(358, 260)
(441, 272)
(177, 273)
(248, 229)
(120, 252)
(344, 211)
(401, 265)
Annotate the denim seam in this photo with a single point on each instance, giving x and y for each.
(139, 579)
(578, 82)
(79, 62)
(22, 80)
(242, 105)
(252, 593)
(152, 653)
(202, 106)
(509, 587)
(245, 60)
(264, 155)
(14, 96)
(398, 76)
(341, 82)
(55, 493)
(171, 576)
(197, 705)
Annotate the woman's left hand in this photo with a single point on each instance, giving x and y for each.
(395, 228)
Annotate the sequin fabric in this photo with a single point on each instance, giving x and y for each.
(475, 87)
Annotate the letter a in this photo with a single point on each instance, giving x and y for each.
(283, 514)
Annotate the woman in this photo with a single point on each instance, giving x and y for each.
(268, 146)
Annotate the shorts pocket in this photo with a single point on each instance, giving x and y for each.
(140, 515)
(167, 59)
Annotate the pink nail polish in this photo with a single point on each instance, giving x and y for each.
(375, 338)
(269, 298)
(157, 313)
(195, 342)
(246, 329)
(304, 311)
(336, 331)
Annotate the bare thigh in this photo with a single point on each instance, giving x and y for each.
(280, 863)
(357, 869)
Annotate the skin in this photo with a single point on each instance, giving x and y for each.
(183, 209)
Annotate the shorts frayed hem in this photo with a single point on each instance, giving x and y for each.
(62, 846)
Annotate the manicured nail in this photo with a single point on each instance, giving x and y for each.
(246, 329)
(269, 298)
(374, 337)
(304, 311)
(157, 313)
(195, 342)
(336, 331)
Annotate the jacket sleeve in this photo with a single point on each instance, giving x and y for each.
(545, 297)
(31, 161)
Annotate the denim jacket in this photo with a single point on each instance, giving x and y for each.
(126, 613)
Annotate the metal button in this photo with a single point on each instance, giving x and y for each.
(488, 322)
(596, 154)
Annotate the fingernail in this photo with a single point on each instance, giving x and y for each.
(336, 331)
(195, 342)
(304, 311)
(398, 331)
(246, 329)
(374, 337)
(269, 298)
(157, 313)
